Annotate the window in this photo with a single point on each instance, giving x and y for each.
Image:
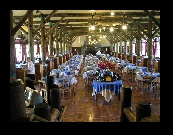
(18, 52)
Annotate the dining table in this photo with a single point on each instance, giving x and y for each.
(153, 75)
(107, 89)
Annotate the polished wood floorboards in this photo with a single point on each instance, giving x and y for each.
(81, 106)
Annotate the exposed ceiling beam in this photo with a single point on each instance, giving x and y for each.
(45, 21)
(54, 27)
(21, 29)
(24, 18)
(117, 14)
(152, 17)
(138, 25)
(60, 31)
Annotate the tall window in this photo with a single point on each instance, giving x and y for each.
(158, 48)
(133, 45)
(144, 47)
(18, 48)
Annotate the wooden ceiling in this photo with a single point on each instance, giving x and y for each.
(77, 22)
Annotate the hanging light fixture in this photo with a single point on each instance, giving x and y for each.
(92, 27)
(112, 13)
(124, 27)
(111, 29)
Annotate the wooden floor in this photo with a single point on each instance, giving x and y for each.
(82, 107)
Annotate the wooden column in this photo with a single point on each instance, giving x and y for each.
(30, 38)
(125, 45)
(149, 45)
(131, 44)
(121, 49)
(116, 45)
(43, 42)
(125, 50)
(138, 41)
(12, 49)
(50, 39)
(61, 44)
(57, 44)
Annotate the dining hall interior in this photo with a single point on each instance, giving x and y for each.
(84, 66)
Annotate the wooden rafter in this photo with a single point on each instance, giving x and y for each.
(60, 31)
(21, 29)
(138, 25)
(24, 18)
(152, 17)
(45, 21)
(54, 27)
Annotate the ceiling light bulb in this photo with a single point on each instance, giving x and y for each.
(111, 29)
(124, 27)
(104, 28)
(92, 27)
(112, 13)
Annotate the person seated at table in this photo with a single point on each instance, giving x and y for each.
(100, 63)
(98, 54)
(76, 72)
(111, 54)
(107, 64)
(87, 58)
(112, 64)
(31, 69)
(45, 71)
(62, 74)
(73, 80)
(36, 98)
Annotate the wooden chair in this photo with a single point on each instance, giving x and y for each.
(65, 87)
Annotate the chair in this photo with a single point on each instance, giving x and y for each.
(129, 75)
(85, 78)
(65, 87)
(29, 83)
(143, 82)
(147, 82)
(73, 82)
(76, 72)
(90, 79)
(155, 84)
(139, 81)
(124, 73)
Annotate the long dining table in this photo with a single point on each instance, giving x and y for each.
(107, 89)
